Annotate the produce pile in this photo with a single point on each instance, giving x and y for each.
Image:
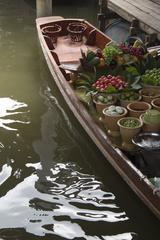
(130, 123)
(114, 110)
(132, 50)
(121, 69)
(151, 77)
(129, 96)
(109, 83)
(104, 99)
(152, 116)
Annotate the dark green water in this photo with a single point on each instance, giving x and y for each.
(54, 183)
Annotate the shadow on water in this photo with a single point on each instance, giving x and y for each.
(54, 183)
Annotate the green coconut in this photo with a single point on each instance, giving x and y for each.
(152, 116)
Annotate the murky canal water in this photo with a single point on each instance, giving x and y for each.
(54, 183)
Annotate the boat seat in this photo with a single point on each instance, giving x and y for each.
(66, 73)
(49, 42)
(91, 40)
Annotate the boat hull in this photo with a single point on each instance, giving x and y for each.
(121, 163)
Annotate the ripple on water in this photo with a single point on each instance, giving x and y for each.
(61, 203)
(10, 114)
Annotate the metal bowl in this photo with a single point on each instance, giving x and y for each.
(148, 145)
(147, 141)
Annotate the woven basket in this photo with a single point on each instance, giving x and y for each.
(76, 31)
(52, 31)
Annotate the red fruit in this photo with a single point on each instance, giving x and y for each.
(102, 89)
(113, 82)
(117, 85)
(120, 87)
(109, 76)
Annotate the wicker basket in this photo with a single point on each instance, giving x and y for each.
(76, 31)
(52, 31)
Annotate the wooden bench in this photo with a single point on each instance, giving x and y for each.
(147, 12)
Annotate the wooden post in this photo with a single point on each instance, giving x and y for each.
(101, 15)
(105, 14)
(44, 8)
(134, 28)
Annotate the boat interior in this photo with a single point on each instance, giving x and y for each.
(71, 36)
(66, 39)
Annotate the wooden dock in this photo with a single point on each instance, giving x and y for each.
(147, 12)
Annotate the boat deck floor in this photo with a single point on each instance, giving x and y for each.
(70, 52)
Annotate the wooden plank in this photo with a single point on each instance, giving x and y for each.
(147, 14)
(137, 11)
(156, 1)
(149, 7)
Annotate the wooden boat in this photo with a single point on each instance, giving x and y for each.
(63, 55)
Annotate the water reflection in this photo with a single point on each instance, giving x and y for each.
(7, 109)
(5, 173)
(52, 193)
(53, 210)
(67, 194)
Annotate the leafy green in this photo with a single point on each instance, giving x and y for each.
(132, 70)
(111, 89)
(83, 95)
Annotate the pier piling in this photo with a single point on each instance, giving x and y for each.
(44, 8)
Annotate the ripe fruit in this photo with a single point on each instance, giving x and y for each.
(131, 50)
(105, 83)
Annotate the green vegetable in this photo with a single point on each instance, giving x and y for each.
(152, 116)
(129, 96)
(130, 123)
(151, 77)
